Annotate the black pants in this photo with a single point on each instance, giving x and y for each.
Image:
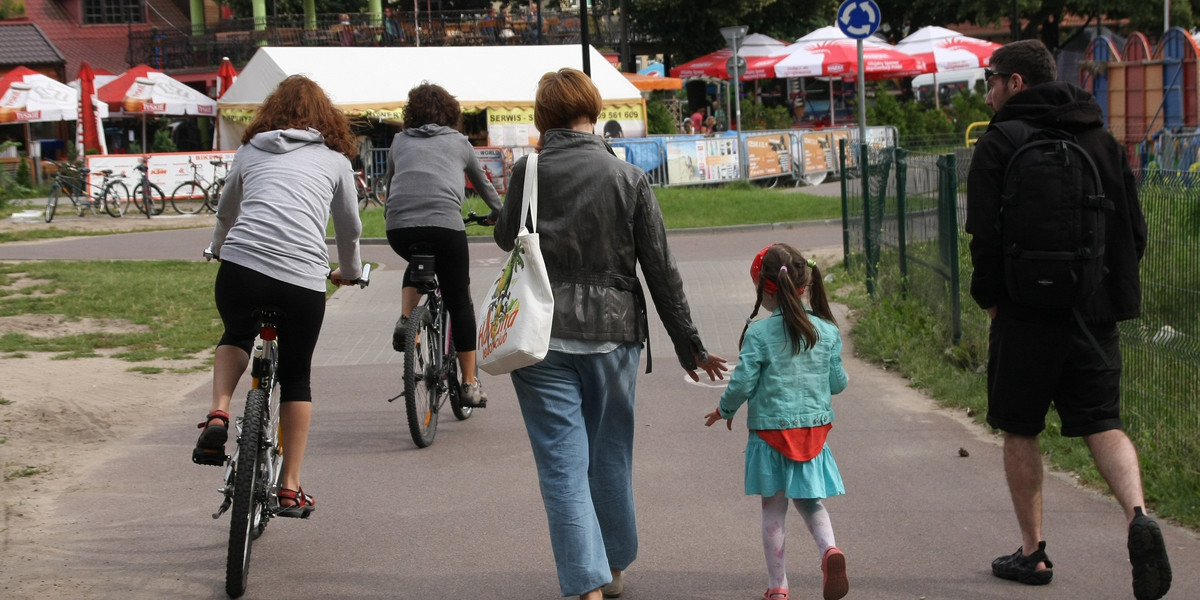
(240, 291)
(453, 269)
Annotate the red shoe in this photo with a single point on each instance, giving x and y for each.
(833, 565)
(301, 504)
(776, 594)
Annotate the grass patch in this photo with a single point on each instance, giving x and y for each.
(25, 472)
(5, 401)
(688, 207)
(171, 300)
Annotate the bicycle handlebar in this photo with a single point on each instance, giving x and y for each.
(363, 281)
(478, 219)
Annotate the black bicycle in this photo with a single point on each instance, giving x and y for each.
(430, 362)
(147, 196)
(71, 182)
(252, 472)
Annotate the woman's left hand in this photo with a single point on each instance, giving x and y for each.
(712, 364)
(715, 416)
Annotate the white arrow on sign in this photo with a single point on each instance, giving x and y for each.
(848, 9)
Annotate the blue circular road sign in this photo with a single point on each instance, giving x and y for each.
(858, 19)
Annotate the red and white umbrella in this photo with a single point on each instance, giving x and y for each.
(839, 58)
(89, 129)
(757, 49)
(947, 50)
(226, 75)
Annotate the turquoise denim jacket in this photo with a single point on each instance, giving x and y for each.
(785, 390)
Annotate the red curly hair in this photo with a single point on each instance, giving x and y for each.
(299, 103)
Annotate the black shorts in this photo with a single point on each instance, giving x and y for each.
(240, 291)
(1032, 364)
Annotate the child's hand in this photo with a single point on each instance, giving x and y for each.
(715, 416)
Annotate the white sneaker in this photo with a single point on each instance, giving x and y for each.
(473, 395)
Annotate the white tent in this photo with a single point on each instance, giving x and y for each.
(374, 82)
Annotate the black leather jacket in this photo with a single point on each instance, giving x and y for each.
(597, 220)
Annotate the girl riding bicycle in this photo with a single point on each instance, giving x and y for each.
(424, 207)
(290, 176)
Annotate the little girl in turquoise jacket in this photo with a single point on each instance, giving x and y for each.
(789, 366)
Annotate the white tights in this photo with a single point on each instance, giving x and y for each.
(774, 511)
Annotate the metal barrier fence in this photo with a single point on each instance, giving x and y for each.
(788, 157)
(905, 236)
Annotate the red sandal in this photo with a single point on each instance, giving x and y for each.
(302, 506)
(776, 594)
(210, 447)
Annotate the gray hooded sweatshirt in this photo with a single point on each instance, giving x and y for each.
(280, 193)
(425, 178)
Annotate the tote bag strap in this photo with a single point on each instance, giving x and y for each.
(529, 196)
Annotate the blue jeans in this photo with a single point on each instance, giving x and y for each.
(578, 410)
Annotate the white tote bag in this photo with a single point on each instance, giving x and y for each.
(518, 310)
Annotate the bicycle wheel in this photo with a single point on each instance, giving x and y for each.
(52, 201)
(379, 189)
(420, 377)
(189, 198)
(115, 197)
(149, 199)
(246, 503)
(462, 412)
(214, 194)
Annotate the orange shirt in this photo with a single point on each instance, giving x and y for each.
(801, 444)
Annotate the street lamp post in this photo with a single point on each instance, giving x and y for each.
(733, 35)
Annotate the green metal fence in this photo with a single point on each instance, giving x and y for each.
(905, 236)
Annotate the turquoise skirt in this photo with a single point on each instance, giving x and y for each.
(768, 472)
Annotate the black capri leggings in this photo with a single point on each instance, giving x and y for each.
(240, 291)
(453, 269)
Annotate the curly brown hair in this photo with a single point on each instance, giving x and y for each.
(299, 103)
(430, 103)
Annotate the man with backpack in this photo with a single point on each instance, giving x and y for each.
(1057, 232)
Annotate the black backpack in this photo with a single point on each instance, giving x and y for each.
(1051, 218)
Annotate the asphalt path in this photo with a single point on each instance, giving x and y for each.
(463, 518)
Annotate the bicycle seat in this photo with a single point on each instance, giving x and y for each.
(107, 172)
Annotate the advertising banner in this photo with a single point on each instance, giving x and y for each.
(166, 170)
(492, 161)
(702, 160)
(817, 155)
(768, 155)
(514, 126)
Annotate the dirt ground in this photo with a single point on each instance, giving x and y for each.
(59, 418)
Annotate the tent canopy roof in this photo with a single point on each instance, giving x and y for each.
(364, 80)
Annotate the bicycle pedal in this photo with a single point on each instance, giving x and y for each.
(202, 456)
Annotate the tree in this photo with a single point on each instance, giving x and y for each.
(693, 27)
(1043, 17)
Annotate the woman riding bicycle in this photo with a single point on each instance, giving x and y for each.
(424, 207)
(290, 176)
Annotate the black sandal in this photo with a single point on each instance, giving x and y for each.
(304, 504)
(210, 447)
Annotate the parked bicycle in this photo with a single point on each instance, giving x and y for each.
(370, 189)
(147, 196)
(252, 473)
(71, 182)
(430, 362)
(198, 193)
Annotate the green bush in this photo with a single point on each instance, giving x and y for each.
(658, 117)
(756, 116)
(24, 177)
(162, 141)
